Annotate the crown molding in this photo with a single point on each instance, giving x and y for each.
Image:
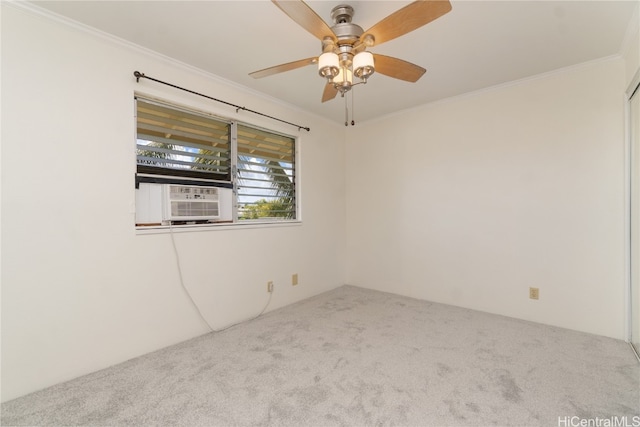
(33, 9)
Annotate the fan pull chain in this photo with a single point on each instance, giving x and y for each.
(346, 109)
(353, 109)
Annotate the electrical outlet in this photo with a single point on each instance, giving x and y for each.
(294, 279)
(269, 286)
(534, 293)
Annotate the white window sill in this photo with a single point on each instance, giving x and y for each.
(160, 229)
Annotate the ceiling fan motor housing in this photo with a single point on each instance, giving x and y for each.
(342, 13)
(346, 32)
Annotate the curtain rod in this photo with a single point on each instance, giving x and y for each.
(140, 75)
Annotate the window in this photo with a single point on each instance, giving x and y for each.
(253, 169)
(266, 175)
(179, 143)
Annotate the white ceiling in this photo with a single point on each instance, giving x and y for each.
(477, 45)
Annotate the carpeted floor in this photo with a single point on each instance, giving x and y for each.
(356, 357)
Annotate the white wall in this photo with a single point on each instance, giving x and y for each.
(630, 52)
(81, 290)
(473, 200)
(631, 46)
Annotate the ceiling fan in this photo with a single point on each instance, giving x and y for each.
(344, 45)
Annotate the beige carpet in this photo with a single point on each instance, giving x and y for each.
(356, 357)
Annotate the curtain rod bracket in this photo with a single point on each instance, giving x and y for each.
(138, 75)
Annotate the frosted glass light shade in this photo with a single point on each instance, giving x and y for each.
(328, 65)
(363, 65)
(340, 78)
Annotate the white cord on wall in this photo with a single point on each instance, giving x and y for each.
(175, 251)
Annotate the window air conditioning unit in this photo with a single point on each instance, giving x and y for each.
(190, 203)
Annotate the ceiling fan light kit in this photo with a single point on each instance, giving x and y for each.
(340, 71)
(344, 45)
(363, 65)
(328, 65)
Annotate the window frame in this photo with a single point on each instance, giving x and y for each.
(271, 160)
(147, 174)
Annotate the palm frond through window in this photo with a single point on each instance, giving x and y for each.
(266, 175)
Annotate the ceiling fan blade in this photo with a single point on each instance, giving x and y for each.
(407, 19)
(283, 67)
(397, 68)
(301, 13)
(329, 93)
